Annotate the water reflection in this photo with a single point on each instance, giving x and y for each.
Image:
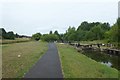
(103, 58)
(107, 63)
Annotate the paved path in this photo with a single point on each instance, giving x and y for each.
(48, 66)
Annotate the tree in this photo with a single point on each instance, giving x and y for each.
(84, 26)
(2, 33)
(10, 35)
(89, 36)
(113, 34)
(50, 32)
(53, 37)
(81, 35)
(118, 22)
(69, 34)
(118, 25)
(36, 36)
(16, 35)
(72, 37)
(98, 32)
(56, 32)
(59, 36)
(86, 31)
(49, 37)
(105, 26)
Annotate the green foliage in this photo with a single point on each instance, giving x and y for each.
(89, 35)
(50, 32)
(113, 34)
(57, 34)
(118, 24)
(70, 34)
(85, 32)
(61, 37)
(98, 32)
(9, 35)
(49, 37)
(36, 36)
(92, 31)
(87, 26)
(84, 26)
(16, 35)
(105, 26)
(77, 65)
(2, 33)
(81, 35)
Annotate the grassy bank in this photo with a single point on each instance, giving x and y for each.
(76, 65)
(14, 66)
(17, 40)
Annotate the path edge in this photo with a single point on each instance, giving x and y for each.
(60, 61)
(35, 62)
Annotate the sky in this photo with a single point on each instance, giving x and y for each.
(119, 9)
(27, 17)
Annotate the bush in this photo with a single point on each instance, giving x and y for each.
(36, 36)
(50, 37)
(10, 35)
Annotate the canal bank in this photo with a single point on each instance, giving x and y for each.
(103, 58)
(100, 53)
(77, 65)
(97, 47)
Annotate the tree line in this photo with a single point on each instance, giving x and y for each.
(85, 32)
(10, 35)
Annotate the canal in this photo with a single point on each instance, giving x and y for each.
(103, 58)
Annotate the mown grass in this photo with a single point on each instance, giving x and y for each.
(14, 66)
(17, 40)
(76, 65)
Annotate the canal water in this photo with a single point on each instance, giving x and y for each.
(103, 58)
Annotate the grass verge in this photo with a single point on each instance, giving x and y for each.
(14, 66)
(76, 65)
(17, 40)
